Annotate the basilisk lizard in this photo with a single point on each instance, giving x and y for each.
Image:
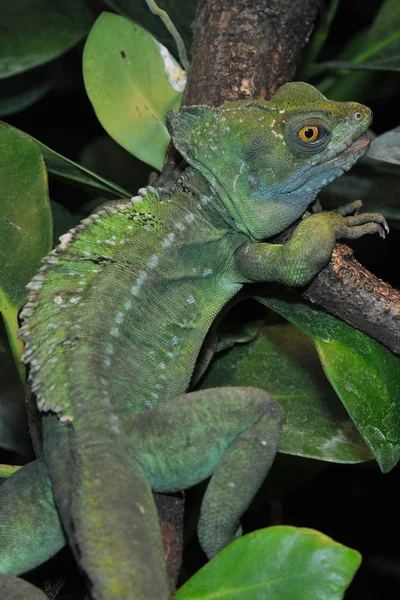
(116, 319)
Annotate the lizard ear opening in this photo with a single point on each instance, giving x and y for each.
(187, 124)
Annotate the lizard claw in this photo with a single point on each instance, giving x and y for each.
(384, 230)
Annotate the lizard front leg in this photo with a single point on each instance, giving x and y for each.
(299, 260)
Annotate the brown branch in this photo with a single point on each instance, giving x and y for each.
(170, 511)
(356, 296)
(246, 48)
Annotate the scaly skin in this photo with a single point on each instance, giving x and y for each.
(116, 319)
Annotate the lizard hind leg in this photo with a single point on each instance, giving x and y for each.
(230, 433)
(238, 477)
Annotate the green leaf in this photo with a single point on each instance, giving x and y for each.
(65, 169)
(386, 60)
(132, 82)
(283, 361)
(385, 30)
(34, 32)
(63, 220)
(364, 374)
(25, 223)
(276, 563)
(72, 173)
(377, 49)
(8, 470)
(375, 182)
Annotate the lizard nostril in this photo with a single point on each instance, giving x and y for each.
(358, 116)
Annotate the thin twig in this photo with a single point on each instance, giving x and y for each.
(159, 12)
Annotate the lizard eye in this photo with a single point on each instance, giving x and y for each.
(309, 133)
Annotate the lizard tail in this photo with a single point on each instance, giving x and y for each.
(113, 521)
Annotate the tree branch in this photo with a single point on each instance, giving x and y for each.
(246, 48)
(356, 296)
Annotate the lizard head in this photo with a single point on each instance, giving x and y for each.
(269, 160)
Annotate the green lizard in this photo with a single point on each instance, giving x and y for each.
(117, 316)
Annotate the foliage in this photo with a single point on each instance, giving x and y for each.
(295, 563)
(122, 65)
(339, 387)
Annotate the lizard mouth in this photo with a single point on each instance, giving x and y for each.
(353, 152)
(360, 145)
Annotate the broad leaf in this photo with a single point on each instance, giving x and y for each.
(364, 374)
(284, 362)
(34, 32)
(276, 564)
(8, 470)
(25, 223)
(63, 220)
(375, 182)
(70, 172)
(132, 82)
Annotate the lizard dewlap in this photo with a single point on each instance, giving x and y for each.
(116, 319)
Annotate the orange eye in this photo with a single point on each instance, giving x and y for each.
(309, 133)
